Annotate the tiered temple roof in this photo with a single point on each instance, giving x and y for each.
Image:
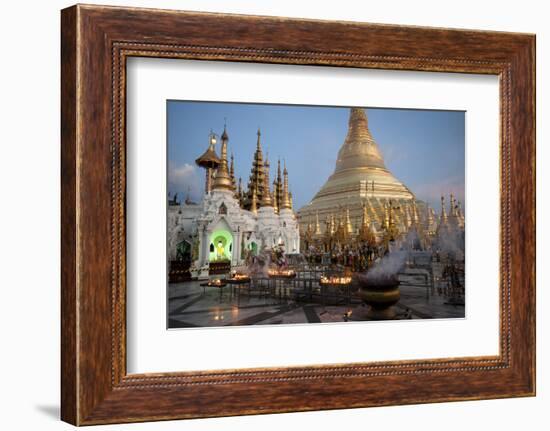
(221, 176)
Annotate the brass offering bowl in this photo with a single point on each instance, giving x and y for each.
(380, 294)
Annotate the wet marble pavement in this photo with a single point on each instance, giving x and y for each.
(192, 305)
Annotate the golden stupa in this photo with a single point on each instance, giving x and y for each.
(360, 180)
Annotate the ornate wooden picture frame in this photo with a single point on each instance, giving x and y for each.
(96, 42)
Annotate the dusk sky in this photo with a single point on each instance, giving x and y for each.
(424, 149)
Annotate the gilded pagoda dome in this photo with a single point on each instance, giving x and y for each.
(360, 174)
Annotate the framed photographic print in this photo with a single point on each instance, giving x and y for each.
(322, 214)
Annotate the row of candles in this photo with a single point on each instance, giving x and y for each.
(335, 280)
(236, 276)
(281, 273)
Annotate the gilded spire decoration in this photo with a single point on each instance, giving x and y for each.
(222, 180)
(278, 188)
(256, 181)
(460, 215)
(429, 215)
(285, 199)
(348, 227)
(415, 217)
(266, 194)
(365, 221)
(254, 202)
(430, 220)
(408, 217)
(372, 211)
(327, 227)
(366, 232)
(359, 149)
(317, 225)
(386, 224)
(389, 221)
(274, 198)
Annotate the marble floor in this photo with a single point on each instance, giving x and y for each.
(193, 305)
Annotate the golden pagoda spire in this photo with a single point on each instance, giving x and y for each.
(274, 198)
(429, 219)
(386, 224)
(389, 222)
(278, 187)
(460, 215)
(266, 196)
(360, 173)
(429, 215)
(365, 221)
(222, 180)
(332, 225)
(452, 203)
(285, 200)
(364, 230)
(327, 226)
(348, 227)
(359, 149)
(408, 218)
(317, 225)
(374, 216)
(254, 202)
(415, 217)
(256, 180)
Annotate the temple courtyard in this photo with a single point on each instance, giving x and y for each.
(264, 301)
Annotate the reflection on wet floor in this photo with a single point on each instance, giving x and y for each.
(193, 305)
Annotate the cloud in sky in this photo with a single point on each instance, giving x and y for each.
(185, 178)
(393, 154)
